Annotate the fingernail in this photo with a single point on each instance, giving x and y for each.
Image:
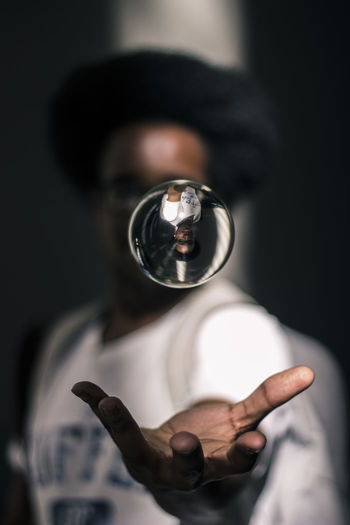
(251, 451)
(81, 395)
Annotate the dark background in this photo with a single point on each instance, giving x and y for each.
(298, 257)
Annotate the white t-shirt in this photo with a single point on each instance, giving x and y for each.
(187, 206)
(76, 472)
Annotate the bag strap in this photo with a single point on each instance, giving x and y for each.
(59, 339)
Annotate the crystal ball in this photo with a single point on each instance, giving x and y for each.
(181, 233)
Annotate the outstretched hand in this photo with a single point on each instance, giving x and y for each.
(210, 441)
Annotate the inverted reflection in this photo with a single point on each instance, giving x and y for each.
(181, 233)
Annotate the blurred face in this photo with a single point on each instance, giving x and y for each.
(184, 237)
(137, 158)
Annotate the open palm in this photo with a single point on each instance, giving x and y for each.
(210, 441)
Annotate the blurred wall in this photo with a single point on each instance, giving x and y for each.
(298, 259)
(213, 30)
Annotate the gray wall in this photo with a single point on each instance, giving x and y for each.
(299, 257)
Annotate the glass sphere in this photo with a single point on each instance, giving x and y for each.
(181, 233)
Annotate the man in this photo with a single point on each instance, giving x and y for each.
(185, 363)
(181, 208)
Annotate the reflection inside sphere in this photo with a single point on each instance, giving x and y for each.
(181, 233)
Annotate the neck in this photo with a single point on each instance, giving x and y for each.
(136, 303)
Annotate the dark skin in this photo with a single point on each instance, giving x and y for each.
(215, 440)
(185, 460)
(184, 237)
(141, 156)
(194, 462)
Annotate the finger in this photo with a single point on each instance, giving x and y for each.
(117, 420)
(124, 430)
(90, 393)
(244, 452)
(188, 459)
(273, 392)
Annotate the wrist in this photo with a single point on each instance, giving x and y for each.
(202, 505)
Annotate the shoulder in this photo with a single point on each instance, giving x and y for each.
(246, 330)
(39, 345)
(241, 319)
(237, 343)
(222, 312)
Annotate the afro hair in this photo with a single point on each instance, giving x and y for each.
(221, 104)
